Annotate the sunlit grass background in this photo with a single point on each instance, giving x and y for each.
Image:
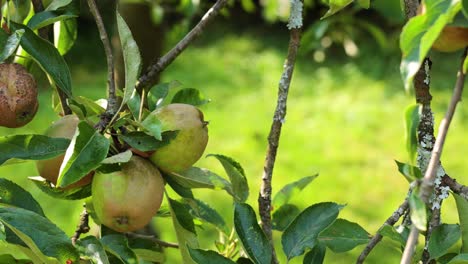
(344, 121)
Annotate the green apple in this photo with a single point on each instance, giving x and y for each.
(189, 144)
(49, 169)
(127, 199)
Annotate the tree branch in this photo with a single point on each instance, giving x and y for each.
(378, 237)
(154, 240)
(149, 77)
(455, 187)
(112, 104)
(82, 227)
(44, 33)
(427, 184)
(264, 199)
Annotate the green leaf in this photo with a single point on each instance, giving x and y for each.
(56, 4)
(204, 212)
(343, 236)
(465, 65)
(391, 233)
(47, 56)
(189, 96)
(412, 117)
(144, 142)
(86, 151)
(411, 173)
(91, 247)
(146, 250)
(65, 35)
(283, 216)
(18, 10)
(465, 7)
(364, 3)
(158, 93)
(236, 175)
(418, 210)
(87, 106)
(117, 245)
(131, 56)
(442, 238)
(185, 229)
(46, 18)
(31, 147)
(134, 104)
(303, 232)
(119, 158)
(462, 208)
(201, 178)
(208, 257)
(179, 189)
(460, 259)
(10, 259)
(420, 32)
(251, 235)
(9, 43)
(39, 234)
(335, 6)
(316, 255)
(446, 258)
(13, 194)
(69, 194)
(149, 255)
(153, 126)
(21, 252)
(291, 190)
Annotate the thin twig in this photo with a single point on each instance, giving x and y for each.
(150, 76)
(264, 198)
(112, 104)
(427, 184)
(44, 33)
(154, 240)
(378, 237)
(82, 227)
(455, 187)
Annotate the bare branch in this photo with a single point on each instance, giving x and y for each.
(149, 77)
(112, 104)
(264, 198)
(378, 237)
(455, 187)
(82, 227)
(154, 240)
(427, 184)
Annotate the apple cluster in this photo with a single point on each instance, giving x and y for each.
(126, 199)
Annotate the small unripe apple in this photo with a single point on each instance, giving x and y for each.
(127, 199)
(18, 95)
(49, 169)
(189, 144)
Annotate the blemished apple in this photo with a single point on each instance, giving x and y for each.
(189, 144)
(126, 200)
(18, 95)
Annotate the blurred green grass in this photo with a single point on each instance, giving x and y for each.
(344, 121)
